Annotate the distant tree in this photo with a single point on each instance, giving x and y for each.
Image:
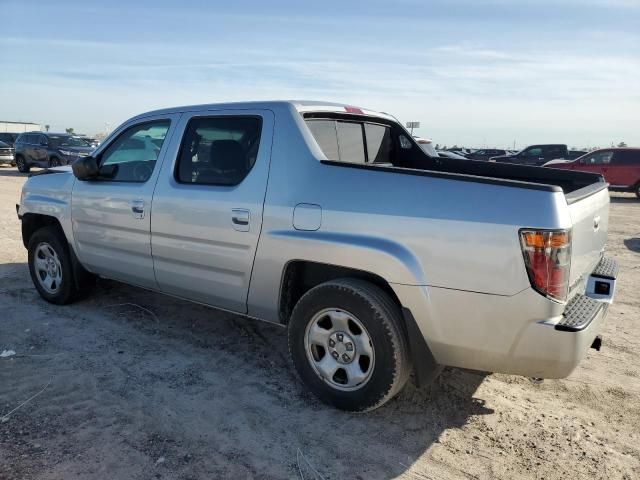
(622, 145)
(69, 131)
(46, 127)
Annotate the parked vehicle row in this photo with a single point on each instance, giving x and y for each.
(538, 155)
(619, 166)
(305, 214)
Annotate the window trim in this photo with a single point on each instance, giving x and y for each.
(176, 166)
(99, 156)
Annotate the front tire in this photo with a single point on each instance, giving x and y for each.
(637, 190)
(54, 162)
(52, 270)
(348, 346)
(22, 164)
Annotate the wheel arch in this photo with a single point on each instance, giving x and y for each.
(300, 276)
(31, 222)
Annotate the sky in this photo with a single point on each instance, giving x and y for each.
(495, 73)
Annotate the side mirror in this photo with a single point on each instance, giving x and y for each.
(85, 168)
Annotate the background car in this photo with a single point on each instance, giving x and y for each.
(38, 149)
(620, 167)
(6, 154)
(485, 154)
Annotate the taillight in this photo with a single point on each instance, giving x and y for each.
(547, 256)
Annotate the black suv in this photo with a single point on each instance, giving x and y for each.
(38, 149)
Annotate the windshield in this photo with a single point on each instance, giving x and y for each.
(66, 141)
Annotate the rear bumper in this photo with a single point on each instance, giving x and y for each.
(7, 159)
(524, 334)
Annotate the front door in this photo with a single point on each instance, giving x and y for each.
(111, 214)
(207, 207)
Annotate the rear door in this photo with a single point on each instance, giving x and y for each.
(624, 170)
(111, 215)
(208, 203)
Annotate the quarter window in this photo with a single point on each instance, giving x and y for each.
(133, 155)
(218, 150)
(627, 157)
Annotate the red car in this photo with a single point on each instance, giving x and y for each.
(620, 167)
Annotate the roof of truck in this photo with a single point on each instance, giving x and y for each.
(301, 106)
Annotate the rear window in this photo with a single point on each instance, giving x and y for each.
(352, 141)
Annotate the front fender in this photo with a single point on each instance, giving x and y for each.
(49, 195)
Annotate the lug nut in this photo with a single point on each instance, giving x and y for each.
(334, 355)
(345, 357)
(332, 343)
(349, 346)
(340, 337)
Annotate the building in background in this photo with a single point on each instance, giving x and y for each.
(18, 127)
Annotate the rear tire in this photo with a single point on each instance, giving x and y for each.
(347, 344)
(53, 272)
(54, 162)
(637, 190)
(22, 164)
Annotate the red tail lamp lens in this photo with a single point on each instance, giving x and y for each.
(547, 256)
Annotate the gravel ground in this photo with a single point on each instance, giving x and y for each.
(179, 391)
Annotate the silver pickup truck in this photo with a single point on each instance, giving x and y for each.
(331, 221)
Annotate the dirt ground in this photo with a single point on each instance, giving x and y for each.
(179, 391)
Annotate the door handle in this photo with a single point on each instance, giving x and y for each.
(137, 208)
(240, 219)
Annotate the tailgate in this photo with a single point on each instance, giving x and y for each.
(590, 220)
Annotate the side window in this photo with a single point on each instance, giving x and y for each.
(599, 158)
(554, 152)
(626, 157)
(532, 152)
(218, 150)
(133, 154)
